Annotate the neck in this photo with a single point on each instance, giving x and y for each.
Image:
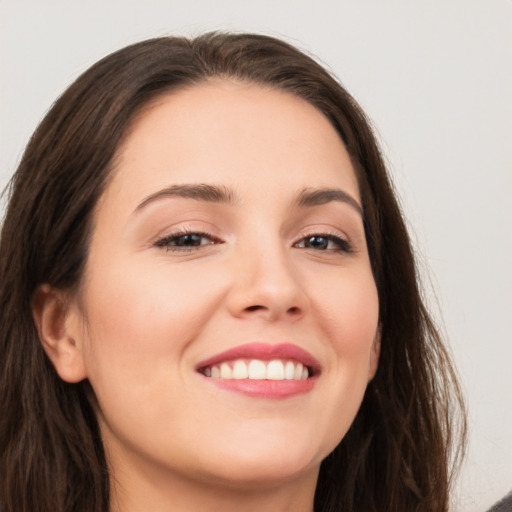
(135, 489)
(179, 494)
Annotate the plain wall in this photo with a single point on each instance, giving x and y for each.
(436, 78)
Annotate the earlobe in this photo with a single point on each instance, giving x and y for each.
(374, 356)
(56, 324)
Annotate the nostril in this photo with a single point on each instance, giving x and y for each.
(254, 308)
(293, 310)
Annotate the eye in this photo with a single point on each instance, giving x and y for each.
(186, 241)
(324, 242)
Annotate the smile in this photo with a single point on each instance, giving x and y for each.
(257, 369)
(262, 370)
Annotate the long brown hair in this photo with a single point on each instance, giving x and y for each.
(397, 456)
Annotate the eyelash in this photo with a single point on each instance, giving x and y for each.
(169, 243)
(342, 245)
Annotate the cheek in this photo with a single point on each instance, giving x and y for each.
(348, 316)
(143, 318)
(349, 321)
(141, 321)
(348, 311)
(142, 299)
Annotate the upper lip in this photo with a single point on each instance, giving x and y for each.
(264, 352)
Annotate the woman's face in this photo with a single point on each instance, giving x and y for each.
(230, 236)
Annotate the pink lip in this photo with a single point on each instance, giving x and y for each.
(268, 389)
(264, 352)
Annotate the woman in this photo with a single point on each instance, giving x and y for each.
(209, 299)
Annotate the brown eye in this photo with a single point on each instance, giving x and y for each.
(186, 241)
(189, 240)
(324, 243)
(317, 242)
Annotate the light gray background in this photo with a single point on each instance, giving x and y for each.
(436, 78)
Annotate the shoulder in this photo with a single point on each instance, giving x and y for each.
(504, 505)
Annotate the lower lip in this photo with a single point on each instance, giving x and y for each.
(269, 389)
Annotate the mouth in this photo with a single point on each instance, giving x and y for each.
(259, 369)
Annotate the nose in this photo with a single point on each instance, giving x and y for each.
(266, 284)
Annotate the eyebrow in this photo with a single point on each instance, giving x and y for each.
(315, 197)
(221, 194)
(199, 192)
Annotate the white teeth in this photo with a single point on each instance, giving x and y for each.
(225, 371)
(275, 370)
(289, 370)
(258, 370)
(298, 371)
(240, 370)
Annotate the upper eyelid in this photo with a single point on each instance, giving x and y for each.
(164, 242)
(344, 243)
(205, 228)
(211, 233)
(181, 233)
(324, 231)
(312, 232)
(186, 228)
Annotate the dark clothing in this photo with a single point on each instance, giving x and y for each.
(504, 505)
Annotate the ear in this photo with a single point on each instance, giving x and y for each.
(57, 324)
(374, 356)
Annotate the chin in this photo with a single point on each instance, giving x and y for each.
(265, 464)
(257, 473)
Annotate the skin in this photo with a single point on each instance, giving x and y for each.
(147, 313)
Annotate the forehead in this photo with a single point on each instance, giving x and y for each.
(223, 130)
